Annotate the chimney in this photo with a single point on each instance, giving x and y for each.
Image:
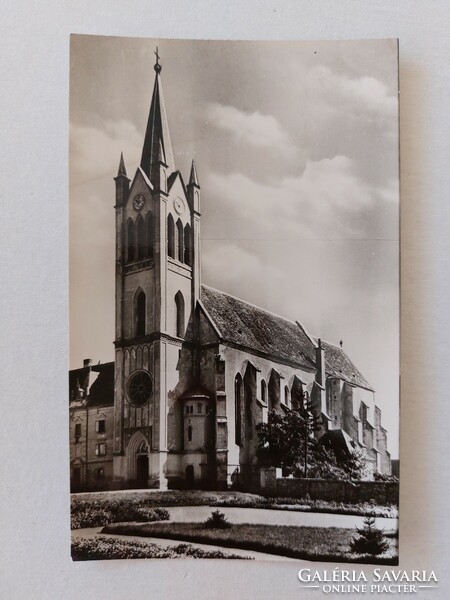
(320, 362)
(87, 362)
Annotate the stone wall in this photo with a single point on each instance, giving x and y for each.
(381, 492)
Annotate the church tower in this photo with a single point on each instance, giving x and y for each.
(157, 288)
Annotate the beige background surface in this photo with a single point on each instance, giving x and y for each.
(34, 554)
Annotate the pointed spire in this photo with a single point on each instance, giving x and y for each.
(122, 170)
(157, 145)
(193, 179)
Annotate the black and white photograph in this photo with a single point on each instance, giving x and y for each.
(234, 299)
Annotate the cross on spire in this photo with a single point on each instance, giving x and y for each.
(157, 65)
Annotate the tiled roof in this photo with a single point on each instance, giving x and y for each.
(252, 327)
(339, 365)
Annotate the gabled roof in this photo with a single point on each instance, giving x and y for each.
(247, 325)
(101, 391)
(339, 365)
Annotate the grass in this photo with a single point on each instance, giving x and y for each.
(153, 499)
(111, 548)
(308, 543)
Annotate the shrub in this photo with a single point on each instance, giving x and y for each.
(217, 520)
(370, 539)
(99, 513)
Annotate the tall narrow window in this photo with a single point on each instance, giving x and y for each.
(150, 235)
(179, 241)
(179, 315)
(263, 391)
(237, 408)
(131, 242)
(170, 237)
(141, 242)
(189, 434)
(187, 246)
(140, 314)
(286, 396)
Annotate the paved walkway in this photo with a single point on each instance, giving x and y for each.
(195, 514)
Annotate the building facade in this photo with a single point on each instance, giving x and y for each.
(196, 370)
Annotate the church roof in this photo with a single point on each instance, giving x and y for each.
(247, 325)
(339, 365)
(157, 145)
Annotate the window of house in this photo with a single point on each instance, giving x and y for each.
(100, 426)
(187, 410)
(99, 473)
(189, 432)
(77, 431)
(100, 449)
(263, 391)
(199, 408)
(191, 409)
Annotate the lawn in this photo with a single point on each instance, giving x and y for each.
(310, 543)
(111, 548)
(154, 499)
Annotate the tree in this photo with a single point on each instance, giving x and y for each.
(369, 539)
(286, 441)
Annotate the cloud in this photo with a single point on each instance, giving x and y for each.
(329, 199)
(361, 97)
(95, 151)
(255, 129)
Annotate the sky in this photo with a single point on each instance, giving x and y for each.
(296, 147)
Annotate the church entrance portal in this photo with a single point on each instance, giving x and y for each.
(142, 469)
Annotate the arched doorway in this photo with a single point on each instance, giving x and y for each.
(138, 459)
(142, 465)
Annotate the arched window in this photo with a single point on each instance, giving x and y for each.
(274, 390)
(237, 409)
(179, 245)
(141, 242)
(179, 315)
(140, 313)
(187, 246)
(131, 242)
(150, 235)
(263, 391)
(170, 237)
(286, 396)
(190, 433)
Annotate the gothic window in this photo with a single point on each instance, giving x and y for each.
(140, 313)
(189, 432)
(139, 388)
(131, 242)
(150, 235)
(170, 237)
(141, 242)
(237, 409)
(286, 396)
(179, 241)
(77, 431)
(199, 408)
(274, 390)
(263, 391)
(187, 246)
(179, 315)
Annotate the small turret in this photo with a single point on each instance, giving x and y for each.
(122, 183)
(193, 189)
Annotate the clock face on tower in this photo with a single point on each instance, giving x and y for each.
(178, 205)
(138, 201)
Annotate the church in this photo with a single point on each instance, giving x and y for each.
(195, 369)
